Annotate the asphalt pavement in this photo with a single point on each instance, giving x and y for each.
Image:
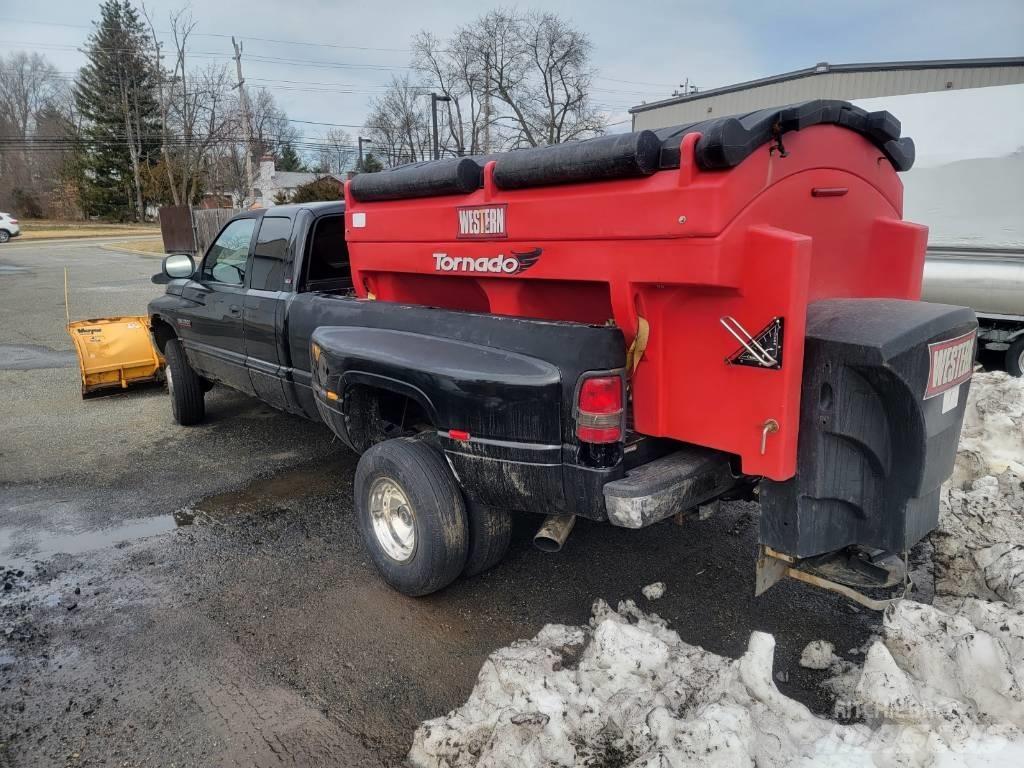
(199, 596)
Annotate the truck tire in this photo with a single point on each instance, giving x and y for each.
(1015, 358)
(490, 531)
(411, 515)
(184, 386)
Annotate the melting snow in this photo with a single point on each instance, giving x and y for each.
(942, 686)
(654, 591)
(818, 655)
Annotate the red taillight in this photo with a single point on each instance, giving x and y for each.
(599, 419)
(13, 221)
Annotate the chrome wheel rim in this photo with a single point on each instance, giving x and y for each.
(170, 380)
(393, 518)
(1020, 361)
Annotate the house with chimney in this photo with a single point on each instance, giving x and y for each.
(271, 183)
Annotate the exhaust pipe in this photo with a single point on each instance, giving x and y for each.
(551, 536)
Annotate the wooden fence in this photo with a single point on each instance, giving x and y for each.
(207, 222)
(191, 230)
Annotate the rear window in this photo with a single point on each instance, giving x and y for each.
(271, 254)
(328, 262)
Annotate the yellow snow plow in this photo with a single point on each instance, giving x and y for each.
(113, 352)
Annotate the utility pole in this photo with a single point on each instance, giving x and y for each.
(244, 98)
(487, 103)
(434, 98)
(361, 142)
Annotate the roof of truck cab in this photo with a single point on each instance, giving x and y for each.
(317, 209)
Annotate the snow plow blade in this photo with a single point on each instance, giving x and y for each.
(115, 353)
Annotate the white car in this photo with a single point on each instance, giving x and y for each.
(8, 227)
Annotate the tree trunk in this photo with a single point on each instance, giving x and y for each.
(133, 152)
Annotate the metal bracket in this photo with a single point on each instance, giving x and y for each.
(773, 566)
(748, 342)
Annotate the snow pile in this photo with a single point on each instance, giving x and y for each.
(626, 690)
(979, 544)
(992, 438)
(944, 685)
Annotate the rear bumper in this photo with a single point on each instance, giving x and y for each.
(668, 485)
(16, 232)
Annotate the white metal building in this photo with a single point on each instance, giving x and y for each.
(830, 81)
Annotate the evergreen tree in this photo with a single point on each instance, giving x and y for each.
(371, 164)
(289, 159)
(115, 93)
(323, 188)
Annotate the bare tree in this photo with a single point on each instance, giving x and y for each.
(513, 79)
(557, 104)
(270, 126)
(195, 111)
(337, 153)
(182, 27)
(498, 37)
(30, 92)
(28, 82)
(399, 123)
(271, 130)
(458, 72)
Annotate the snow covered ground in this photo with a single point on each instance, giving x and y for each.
(942, 686)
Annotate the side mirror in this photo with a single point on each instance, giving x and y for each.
(179, 265)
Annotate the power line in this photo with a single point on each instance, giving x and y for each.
(217, 35)
(294, 61)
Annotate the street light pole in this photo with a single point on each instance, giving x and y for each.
(434, 98)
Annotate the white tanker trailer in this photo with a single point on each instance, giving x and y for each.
(991, 282)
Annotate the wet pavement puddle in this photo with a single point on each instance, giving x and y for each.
(30, 357)
(21, 546)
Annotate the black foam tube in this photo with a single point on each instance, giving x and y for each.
(620, 156)
(450, 176)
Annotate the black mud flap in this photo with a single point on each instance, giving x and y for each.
(883, 398)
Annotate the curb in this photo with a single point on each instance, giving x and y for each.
(115, 249)
(84, 238)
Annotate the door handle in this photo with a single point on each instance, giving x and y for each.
(235, 311)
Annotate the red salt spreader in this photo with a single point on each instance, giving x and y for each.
(765, 293)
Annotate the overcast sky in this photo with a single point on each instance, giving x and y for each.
(329, 48)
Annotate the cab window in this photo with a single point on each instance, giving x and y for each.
(328, 264)
(270, 255)
(225, 261)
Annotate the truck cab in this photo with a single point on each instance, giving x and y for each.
(228, 313)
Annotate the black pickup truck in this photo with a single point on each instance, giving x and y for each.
(270, 311)
(461, 417)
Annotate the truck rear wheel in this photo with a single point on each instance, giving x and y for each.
(411, 515)
(490, 531)
(184, 386)
(1015, 358)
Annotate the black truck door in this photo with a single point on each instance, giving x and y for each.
(264, 309)
(215, 345)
